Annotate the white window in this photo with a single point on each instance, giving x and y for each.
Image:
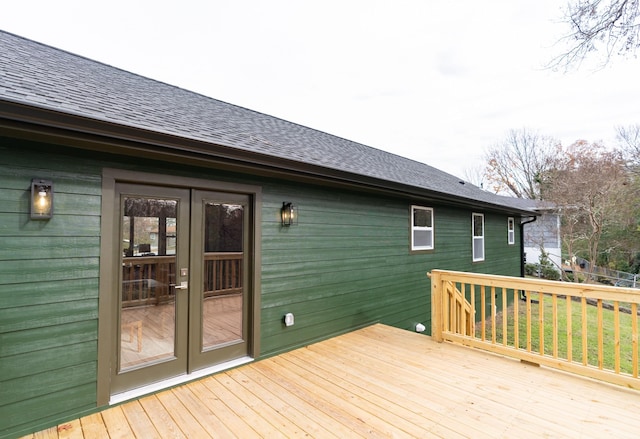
(511, 232)
(478, 236)
(421, 228)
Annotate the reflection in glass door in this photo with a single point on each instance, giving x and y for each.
(222, 288)
(182, 301)
(220, 277)
(148, 305)
(152, 295)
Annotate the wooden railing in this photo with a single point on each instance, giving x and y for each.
(147, 280)
(587, 329)
(150, 280)
(222, 273)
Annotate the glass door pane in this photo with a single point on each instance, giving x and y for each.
(222, 258)
(148, 294)
(219, 301)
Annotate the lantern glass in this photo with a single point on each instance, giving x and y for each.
(289, 214)
(41, 199)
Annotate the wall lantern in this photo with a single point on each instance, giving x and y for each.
(41, 199)
(289, 214)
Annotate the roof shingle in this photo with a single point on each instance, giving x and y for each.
(38, 75)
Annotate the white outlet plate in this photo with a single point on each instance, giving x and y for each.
(289, 320)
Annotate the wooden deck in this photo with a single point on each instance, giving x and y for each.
(375, 382)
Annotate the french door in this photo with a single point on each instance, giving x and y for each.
(182, 300)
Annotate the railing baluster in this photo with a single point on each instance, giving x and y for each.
(528, 321)
(516, 322)
(585, 341)
(448, 325)
(493, 315)
(554, 316)
(569, 329)
(459, 312)
(452, 308)
(217, 276)
(616, 336)
(483, 311)
(634, 339)
(504, 316)
(600, 337)
(541, 321)
(145, 273)
(473, 306)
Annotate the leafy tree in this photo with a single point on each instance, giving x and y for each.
(607, 27)
(519, 163)
(592, 188)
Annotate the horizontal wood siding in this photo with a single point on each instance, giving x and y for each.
(345, 265)
(501, 258)
(48, 290)
(348, 263)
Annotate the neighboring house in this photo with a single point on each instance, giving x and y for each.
(188, 235)
(543, 234)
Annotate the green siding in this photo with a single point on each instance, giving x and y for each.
(346, 264)
(48, 290)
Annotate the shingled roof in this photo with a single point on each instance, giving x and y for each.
(38, 76)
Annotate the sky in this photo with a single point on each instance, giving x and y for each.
(439, 82)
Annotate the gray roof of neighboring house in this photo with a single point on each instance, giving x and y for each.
(46, 78)
(534, 205)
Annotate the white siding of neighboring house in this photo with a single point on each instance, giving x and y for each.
(545, 232)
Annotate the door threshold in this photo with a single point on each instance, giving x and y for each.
(171, 382)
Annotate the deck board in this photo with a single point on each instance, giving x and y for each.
(138, 420)
(161, 418)
(93, 426)
(375, 382)
(207, 418)
(116, 423)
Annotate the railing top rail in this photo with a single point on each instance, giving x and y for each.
(209, 256)
(572, 289)
(148, 259)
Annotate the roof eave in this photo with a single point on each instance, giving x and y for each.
(46, 125)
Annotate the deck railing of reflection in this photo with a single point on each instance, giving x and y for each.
(147, 280)
(587, 329)
(222, 273)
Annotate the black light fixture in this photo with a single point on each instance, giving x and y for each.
(41, 199)
(289, 214)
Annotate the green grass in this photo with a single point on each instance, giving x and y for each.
(608, 331)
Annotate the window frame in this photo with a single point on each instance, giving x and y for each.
(475, 238)
(511, 230)
(415, 228)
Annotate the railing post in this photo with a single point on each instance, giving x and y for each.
(437, 293)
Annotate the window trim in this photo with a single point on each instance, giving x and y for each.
(475, 238)
(511, 230)
(415, 228)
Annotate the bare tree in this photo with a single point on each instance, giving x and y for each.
(591, 187)
(629, 140)
(519, 163)
(607, 27)
(476, 175)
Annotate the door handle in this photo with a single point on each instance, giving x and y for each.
(183, 285)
